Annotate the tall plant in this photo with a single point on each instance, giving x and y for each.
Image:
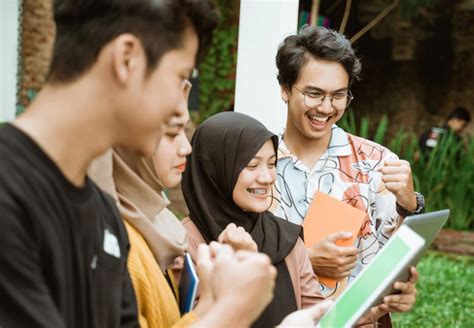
(217, 71)
(445, 176)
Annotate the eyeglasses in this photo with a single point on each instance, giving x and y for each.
(339, 100)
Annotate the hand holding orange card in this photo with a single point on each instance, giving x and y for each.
(327, 215)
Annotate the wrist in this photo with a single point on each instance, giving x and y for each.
(418, 208)
(233, 312)
(376, 313)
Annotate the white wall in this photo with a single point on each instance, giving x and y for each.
(8, 58)
(263, 25)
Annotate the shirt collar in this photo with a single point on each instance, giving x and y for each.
(338, 145)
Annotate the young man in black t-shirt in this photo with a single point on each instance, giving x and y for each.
(114, 79)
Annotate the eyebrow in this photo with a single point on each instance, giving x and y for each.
(313, 88)
(258, 157)
(177, 125)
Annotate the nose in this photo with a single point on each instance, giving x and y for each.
(326, 106)
(185, 147)
(265, 176)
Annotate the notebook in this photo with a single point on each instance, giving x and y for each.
(188, 285)
(327, 215)
(373, 281)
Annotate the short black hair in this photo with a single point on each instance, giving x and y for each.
(317, 42)
(460, 113)
(84, 27)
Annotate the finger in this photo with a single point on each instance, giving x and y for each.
(399, 299)
(339, 235)
(247, 238)
(214, 248)
(414, 275)
(345, 251)
(395, 186)
(222, 237)
(204, 253)
(405, 287)
(395, 178)
(396, 162)
(342, 262)
(273, 272)
(204, 261)
(388, 170)
(384, 308)
(341, 275)
(349, 266)
(317, 311)
(398, 307)
(230, 228)
(221, 251)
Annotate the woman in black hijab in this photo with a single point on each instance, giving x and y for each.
(223, 147)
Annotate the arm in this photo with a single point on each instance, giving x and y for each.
(309, 284)
(26, 299)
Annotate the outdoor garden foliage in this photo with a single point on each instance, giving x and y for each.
(217, 71)
(445, 295)
(445, 176)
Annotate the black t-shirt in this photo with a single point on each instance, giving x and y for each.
(63, 249)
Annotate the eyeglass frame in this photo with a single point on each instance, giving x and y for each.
(349, 96)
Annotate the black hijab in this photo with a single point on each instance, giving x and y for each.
(222, 146)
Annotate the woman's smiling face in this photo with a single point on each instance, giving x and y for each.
(253, 189)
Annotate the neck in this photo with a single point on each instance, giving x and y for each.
(308, 150)
(71, 125)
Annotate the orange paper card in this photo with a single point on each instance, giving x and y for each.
(327, 215)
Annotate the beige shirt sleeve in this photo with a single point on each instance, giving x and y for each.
(305, 281)
(194, 237)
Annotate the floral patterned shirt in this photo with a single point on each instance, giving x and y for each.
(348, 171)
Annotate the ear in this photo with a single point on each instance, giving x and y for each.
(128, 56)
(285, 93)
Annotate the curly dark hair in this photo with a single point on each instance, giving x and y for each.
(317, 42)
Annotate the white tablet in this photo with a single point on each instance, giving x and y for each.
(379, 275)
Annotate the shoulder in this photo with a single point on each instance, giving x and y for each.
(297, 254)
(140, 256)
(369, 150)
(194, 236)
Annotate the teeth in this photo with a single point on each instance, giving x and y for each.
(258, 191)
(319, 119)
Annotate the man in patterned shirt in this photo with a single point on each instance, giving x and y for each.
(315, 70)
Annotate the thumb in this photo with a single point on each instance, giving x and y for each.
(339, 235)
(317, 311)
(222, 236)
(203, 259)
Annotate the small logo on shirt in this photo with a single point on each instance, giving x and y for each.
(111, 245)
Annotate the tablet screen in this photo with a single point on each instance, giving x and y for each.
(356, 299)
